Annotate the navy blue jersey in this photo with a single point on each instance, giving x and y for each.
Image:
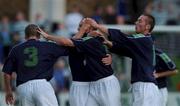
(93, 50)
(33, 59)
(138, 47)
(76, 63)
(163, 63)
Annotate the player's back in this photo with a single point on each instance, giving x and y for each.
(34, 59)
(94, 50)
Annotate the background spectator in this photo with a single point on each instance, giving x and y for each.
(20, 24)
(98, 14)
(110, 16)
(72, 19)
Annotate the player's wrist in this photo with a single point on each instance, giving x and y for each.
(157, 75)
(48, 37)
(8, 91)
(97, 26)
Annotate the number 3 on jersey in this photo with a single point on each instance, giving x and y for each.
(32, 59)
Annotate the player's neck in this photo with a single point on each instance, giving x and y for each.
(32, 38)
(146, 33)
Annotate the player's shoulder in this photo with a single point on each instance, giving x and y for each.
(19, 45)
(164, 56)
(86, 38)
(46, 43)
(112, 31)
(140, 36)
(90, 39)
(158, 51)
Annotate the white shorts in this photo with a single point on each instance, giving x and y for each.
(36, 93)
(104, 92)
(145, 94)
(163, 96)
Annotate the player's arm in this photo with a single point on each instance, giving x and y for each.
(108, 43)
(101, 28)
(166, 73)
(60, 40)
(8, 89)
(8, 68)
(116, 48)
(83, 29)
(171, 70)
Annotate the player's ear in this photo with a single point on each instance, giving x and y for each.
(148, 27)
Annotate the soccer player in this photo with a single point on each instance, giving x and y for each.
(33, 62)
(140, 48)
(164, 67)
(103, 88)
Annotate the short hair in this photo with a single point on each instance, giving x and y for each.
(31, 30)
(151, 21)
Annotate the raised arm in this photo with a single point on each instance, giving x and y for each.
(101, 28)
(60, 40)
(84, 28)
(66, 41)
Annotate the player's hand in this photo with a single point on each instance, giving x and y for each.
(85, 27)
(9, 98)
(95, 33)
(44, 34)
(105, 40)
(156, 75)
(92, 22)
(107, 60)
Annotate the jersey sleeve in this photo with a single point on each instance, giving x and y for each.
(119, 49)
(168, 62)
(117, 36)
(59, 50)
(10, 63)
(129, 45)
(122, 44)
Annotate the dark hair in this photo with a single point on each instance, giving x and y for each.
(31, 30)
(151, 21)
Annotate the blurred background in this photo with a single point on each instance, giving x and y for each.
(61, 18)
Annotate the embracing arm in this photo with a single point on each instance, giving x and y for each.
(82, 31)
(60, 40)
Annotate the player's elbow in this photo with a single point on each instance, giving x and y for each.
(7, 76)
(67, 42)
(176, 71)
